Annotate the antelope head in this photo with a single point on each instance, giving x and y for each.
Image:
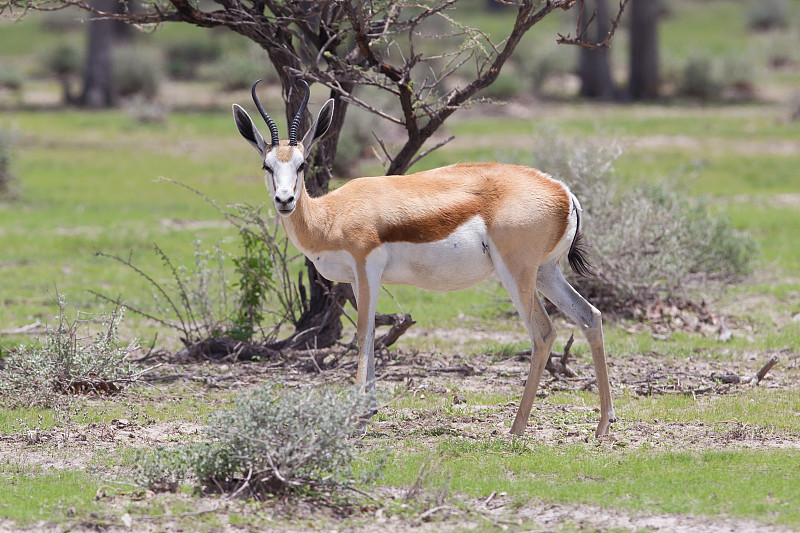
(284, 162)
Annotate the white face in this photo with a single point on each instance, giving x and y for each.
(284, 166)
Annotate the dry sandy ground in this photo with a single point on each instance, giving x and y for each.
(419, 374)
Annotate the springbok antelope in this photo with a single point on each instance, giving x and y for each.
(444, 229)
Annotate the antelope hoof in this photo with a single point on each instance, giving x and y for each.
(518, 429)
(604, 427)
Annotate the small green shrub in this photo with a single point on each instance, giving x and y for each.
(198, 301)
(507, 86)
(64, 60)
(794, 108)
(274, 440)
(701, 78)
(137, 70)
(194, 302)
(185, 57)
(237, 70)
(767, 15)
(67, 361)
(255, 269)
(538, 63)
(8, 139)
(781, 49)
(738, 75)
(146, 111)
(11, 77)
(716, 78)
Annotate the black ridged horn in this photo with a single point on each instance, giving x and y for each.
(298, 116)
(273, 129)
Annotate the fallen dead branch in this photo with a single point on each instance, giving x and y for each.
(557, 362)
(227, 349)
(754, 380)
(36, 328)
(698, 384)
(400, 323)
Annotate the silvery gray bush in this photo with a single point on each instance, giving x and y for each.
(647, 240)
(275, 439)
(66, 361)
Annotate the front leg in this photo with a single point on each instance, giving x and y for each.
(368, 284)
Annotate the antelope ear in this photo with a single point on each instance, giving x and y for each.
(248, 130)
(320, 126)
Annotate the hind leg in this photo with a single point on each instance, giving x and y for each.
(552, 284)
(543, 334)
(521, 286)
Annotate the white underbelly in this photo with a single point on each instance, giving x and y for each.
(335, 266)
(456, 262)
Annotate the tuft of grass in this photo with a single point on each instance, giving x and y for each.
(68, 361)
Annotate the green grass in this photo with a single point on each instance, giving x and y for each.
(32, 494)
(15, 420)
(754, 484)
(171, 404)
(770, 411)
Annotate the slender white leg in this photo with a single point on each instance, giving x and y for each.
(553, 285)
(543, 334)
(368, 284)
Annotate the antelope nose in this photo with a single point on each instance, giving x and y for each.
(285, 201)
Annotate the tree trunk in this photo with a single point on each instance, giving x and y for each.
(644, 81)
(98, 90)
(594, 65)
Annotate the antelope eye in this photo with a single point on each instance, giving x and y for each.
(265, 167)
(302, 167)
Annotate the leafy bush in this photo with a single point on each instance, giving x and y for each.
(186, 56)
(536, 64)
(236, 71)
(64, 60)
(769, 15)
(794, 108)
(11, 77)
(195, 302)
(146, 111)
(68, 361)
(137, 70)
(701, 78)
(198, 301)
(355, 141)
(505, 87)
(8, 138)
(648, 241)
(713, 78)
(274, 440)
(781, 49)
(255, 270)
